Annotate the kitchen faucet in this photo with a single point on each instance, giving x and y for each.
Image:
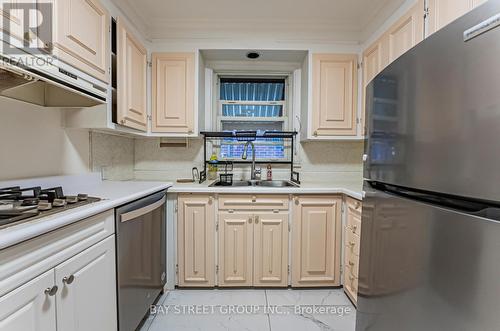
(254, 172)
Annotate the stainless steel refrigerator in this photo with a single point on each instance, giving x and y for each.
(430, 238)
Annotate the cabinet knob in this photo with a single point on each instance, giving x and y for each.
(256, 219)
(351, 277)
(210, 200)
(51, 290)
(68, 280)
(190, 132)
(351, 263)
(254, 198)
(296, 199)
(315, 133)
(358, 205)
(250, 220)
(352, 243)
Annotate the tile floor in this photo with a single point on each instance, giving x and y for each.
(252, 309)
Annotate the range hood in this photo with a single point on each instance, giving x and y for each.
(49, 83)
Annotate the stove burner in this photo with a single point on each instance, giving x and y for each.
(20, 204)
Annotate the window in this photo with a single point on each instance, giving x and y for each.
(256, 104)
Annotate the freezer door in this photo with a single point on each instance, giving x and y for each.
(424, 267)
(433, 115)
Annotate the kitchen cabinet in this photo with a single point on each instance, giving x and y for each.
(131, 79)
(235, 249)
(81, 30)
(443, 12)
(316, 239)
(334, 98)
(30, 307)
(84, 280)
(76, 284)
(407, 32)
(270, 249)
(195, 240)
(404, 34)
(13, 19)
(352, 231)
(173, 93)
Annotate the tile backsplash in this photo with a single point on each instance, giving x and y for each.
(123, 158)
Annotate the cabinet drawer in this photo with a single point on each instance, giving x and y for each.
(352, 243)
(248, 201)
(351, 262)
(351, 283)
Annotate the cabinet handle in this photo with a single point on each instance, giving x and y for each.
(354, 227)
(51, 290)
(315, 133)
(210, 200)
(352, 243)
(250, 220)
(351, 263)
(254, 198)
(68, 280)
(296, 200)
(256, 219)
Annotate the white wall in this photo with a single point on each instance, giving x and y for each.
(33, 142)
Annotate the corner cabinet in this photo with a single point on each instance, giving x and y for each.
(316, 237)
(195, 240)
(334, 95)
(173, 93)
(131, 79)
(443, 12)
(81, 30)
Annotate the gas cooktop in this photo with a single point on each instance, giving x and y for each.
(21, 204)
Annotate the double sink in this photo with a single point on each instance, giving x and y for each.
(260, 183)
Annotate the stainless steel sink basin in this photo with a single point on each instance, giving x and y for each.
(276, 183)
(263, 183)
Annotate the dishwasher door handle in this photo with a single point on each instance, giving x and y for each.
(131, 215)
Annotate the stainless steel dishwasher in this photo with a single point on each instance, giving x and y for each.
(140, 257)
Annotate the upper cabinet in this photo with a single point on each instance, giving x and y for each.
(173, 92)
(406, 32)
(334, 95)
(81, 36)
(442, 12)
(131, 79)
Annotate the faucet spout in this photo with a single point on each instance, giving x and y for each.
(253, 174)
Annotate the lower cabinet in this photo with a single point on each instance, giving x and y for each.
(86, 296)
(78, 294)
(316, 239)
(253, 249)
(62, 280)
(30, 307)
(352, 233)
(195, 240)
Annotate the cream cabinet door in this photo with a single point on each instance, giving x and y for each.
(28, 307)
(235, 249)
(334, 95)
(407, 32)
(86, 299)
(12, 21)
(443, 12)
(173, 93)
(195, 240)
(81, 32)
(131, 79)
(270, 249)
(316, 241)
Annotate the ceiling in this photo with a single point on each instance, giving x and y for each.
(350, 20)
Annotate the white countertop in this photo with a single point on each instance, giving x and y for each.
(113, 193)
(116, 193)
(350, 188)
